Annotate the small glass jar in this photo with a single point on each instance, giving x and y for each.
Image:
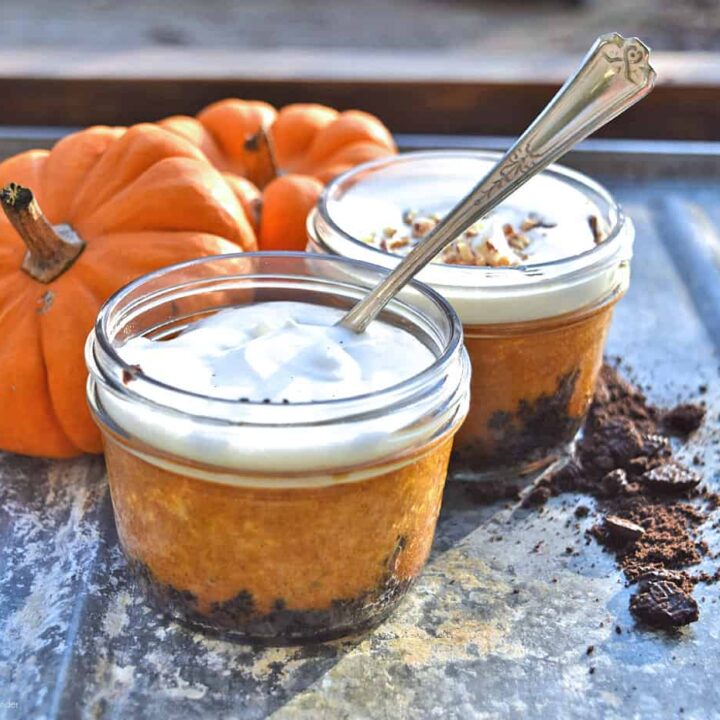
(270, 522)
(535, 333)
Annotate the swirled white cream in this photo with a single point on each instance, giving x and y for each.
(556, 245)
(280, 352)
(395, 208)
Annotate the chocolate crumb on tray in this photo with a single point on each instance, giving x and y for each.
(652, 506)
(621, 530)
(684, 419)
(656, 574)
(670, 477)
(664, 604)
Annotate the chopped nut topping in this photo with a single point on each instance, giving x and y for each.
(596, 229)
(535, 221)
(473, 247)
(470, 256)
(399, 243)
(422, 226)
(519, 242)
(515, 240)
(491, 255)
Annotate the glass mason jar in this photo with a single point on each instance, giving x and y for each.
(275, 523)
(535, 333)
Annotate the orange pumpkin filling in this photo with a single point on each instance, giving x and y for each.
(274, 477)
(302, 563)
(530, 388)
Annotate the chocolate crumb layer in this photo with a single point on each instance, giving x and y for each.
(239, 618)
(652, 506)
(533, 431)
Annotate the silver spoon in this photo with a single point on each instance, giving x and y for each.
(614, 75)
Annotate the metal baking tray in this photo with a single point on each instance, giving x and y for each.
(500, 620)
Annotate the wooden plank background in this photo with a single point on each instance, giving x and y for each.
(411, 92)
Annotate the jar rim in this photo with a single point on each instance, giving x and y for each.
(145, 388)
(503, 277)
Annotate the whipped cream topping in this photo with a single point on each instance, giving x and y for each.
(510, 269)
(208, 403)
(280, 352)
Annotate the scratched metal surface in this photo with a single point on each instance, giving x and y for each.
(492, 629)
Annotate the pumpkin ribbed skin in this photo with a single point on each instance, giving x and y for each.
(287, 200)
(221, 131)
(308, 139)
(321, 142)
(308, 145)
(249, 196)
(140, 199)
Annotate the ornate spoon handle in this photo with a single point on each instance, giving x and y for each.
(614, 75)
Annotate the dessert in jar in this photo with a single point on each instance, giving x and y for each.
(275, 477)
(534, 285)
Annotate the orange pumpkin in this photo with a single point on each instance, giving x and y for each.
(290, 154)
(278, 213)
(231, 152)
(104, 206)
(287, 200)
(315, 140)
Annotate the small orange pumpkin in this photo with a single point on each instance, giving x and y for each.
(289, 154)
(229, 152)
(104, 206)
(305, 138)
(315, 140)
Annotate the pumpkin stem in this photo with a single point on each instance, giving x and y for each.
(50, 250)
(261, 143)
